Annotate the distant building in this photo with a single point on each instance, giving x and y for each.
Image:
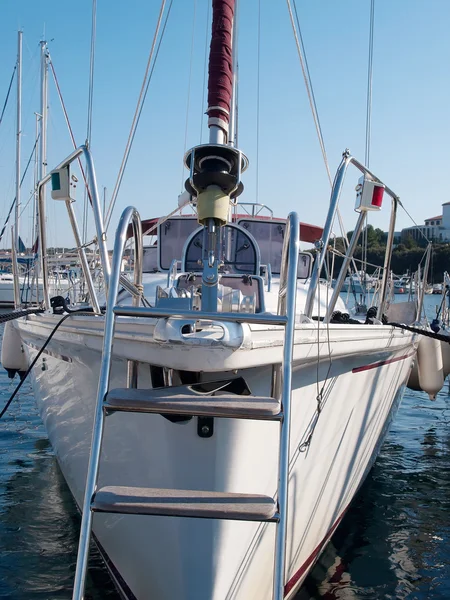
(435, 228)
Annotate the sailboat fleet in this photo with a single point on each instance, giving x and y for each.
(214, 417)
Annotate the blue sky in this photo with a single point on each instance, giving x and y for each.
(410, 118)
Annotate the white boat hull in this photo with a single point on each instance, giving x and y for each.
(28, 293)
(331, 449)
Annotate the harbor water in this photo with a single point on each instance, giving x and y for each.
(393, 543)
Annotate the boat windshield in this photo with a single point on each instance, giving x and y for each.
(150, 260)
(269, 235)
(173, 234)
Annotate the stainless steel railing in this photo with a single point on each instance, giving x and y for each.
(98, 219)
(130, 214)
(99, 228)
(322, 244)
(287, 298)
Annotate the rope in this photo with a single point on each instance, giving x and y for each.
(134, 124)
(16, 314)
(47, 341)
(430, 334)
(7, 93)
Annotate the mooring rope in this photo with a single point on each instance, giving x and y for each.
(425, 332)
(16, 314)
(80, 313)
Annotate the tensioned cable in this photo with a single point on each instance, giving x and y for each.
(21, 181)
(369, 84)
(205, 62)
(258, 90)
(8, 92)
(150, 76)
(69, 126)
(368, 125)
(134, 124)
(188, 101)
(312, 102)
(418, 226)
(308, 83)
(91, 71)
(90, 104)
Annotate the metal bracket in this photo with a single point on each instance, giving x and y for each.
(205, 427)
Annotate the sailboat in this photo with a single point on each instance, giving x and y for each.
(215, 417)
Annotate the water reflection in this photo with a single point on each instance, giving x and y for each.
(393, 542)
(39, 523)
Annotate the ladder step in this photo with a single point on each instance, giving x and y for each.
(184, 503)
(167, 400)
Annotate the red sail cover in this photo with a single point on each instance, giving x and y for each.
(220, 82)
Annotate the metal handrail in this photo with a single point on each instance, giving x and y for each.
(254, 205)
(322, 244)
(130, 214)
(98, 219)
(287, 298)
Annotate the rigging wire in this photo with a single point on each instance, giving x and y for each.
(188, 101)
(205, 62)
(21, 181)
(8, 93)
(369, 84)
(89, 112)
(258, 90)
(69, 126)
(416, 224)
(312, 102)
(365, 238)
(309, 88)
(137, 113)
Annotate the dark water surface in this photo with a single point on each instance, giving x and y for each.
(393, 543)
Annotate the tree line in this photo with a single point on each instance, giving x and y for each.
(406, 256)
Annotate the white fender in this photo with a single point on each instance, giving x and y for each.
(445, 349)
(13, 357)
(413, 381)
(430, 366)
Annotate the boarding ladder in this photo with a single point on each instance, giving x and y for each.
(181, 400)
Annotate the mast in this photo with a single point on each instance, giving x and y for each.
(18, 139)
(232, 134)
(220, 71)
(42, 162)
(42, 167)
(215, 168)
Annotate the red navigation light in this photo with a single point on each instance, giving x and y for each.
(377, 196)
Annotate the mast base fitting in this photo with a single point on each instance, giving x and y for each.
(215, 165)
(213, 203)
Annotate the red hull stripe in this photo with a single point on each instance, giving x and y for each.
(305, 566)
(381, 363)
